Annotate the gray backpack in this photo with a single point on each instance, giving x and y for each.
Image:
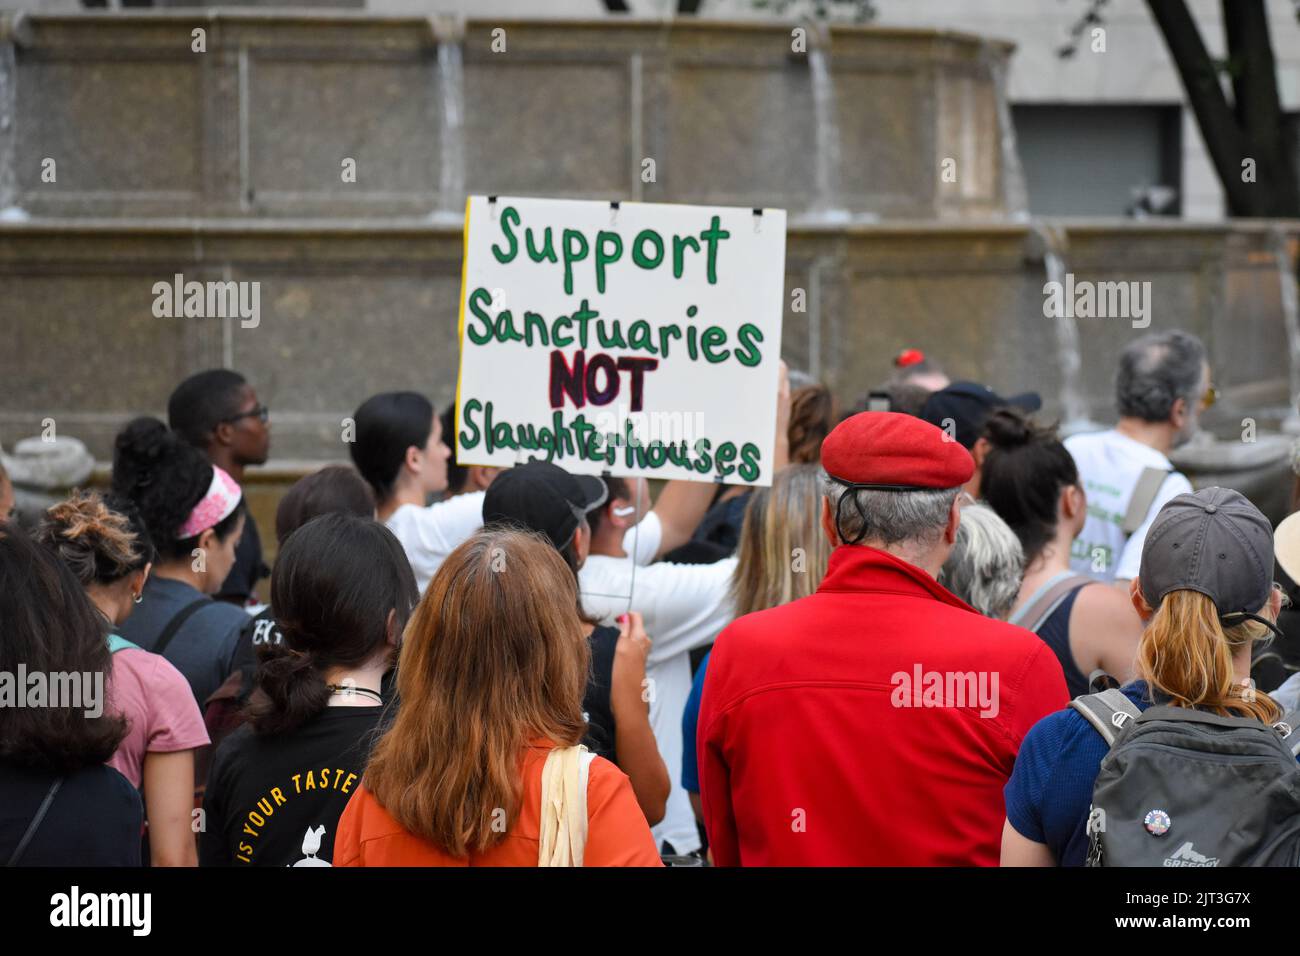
(1181, 787)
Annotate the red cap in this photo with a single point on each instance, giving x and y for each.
(909, 357)
(896, 451)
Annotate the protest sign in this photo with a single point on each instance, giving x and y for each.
(628, 339)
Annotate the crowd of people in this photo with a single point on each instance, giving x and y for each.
(892, 655)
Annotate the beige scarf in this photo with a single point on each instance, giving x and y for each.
(563, 834)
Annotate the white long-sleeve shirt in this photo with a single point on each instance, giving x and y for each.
(684, 606)
(429, 534)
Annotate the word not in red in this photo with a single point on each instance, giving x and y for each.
(581, 381)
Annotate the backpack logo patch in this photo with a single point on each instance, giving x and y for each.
(1157, 822)
(1186, 856)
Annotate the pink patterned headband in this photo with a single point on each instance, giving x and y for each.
(221, 499)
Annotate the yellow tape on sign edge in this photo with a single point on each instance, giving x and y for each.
(460, 332)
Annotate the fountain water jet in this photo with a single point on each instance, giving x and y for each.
(826, 207)
(1074, 408)
(1015, 195)
(10, 211)
(450, 33)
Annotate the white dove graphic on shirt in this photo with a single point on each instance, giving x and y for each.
(310, 847)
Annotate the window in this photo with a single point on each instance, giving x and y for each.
(1090, 160)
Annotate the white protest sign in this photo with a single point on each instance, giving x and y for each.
(642, 339)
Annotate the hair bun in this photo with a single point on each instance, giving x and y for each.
(96, 542)
(1009, 428)
(85, 515)
(137, 452)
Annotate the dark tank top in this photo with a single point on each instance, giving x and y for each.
(1055, 632)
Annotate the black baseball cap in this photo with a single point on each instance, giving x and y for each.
(968, 404)
(1213, 541)
(542, 496)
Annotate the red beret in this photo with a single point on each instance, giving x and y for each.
(895, 450)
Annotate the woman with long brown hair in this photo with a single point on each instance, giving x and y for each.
(1206, 596)
(542, 497)
(491, 678)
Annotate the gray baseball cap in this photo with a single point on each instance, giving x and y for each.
(1215, 542)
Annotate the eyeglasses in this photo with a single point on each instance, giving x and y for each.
(261, 411)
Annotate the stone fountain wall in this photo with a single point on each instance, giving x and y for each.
(347, 310)
(259, 123)
(226, 165)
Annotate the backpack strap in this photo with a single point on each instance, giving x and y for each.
(1144, 494)
(116, 642)
(1192, 715)
(1099, 680)
(1108, 712)
(1289, 728)
(1047, 599)
(174, 625)
(35, 825)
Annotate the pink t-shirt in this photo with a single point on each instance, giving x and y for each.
(161, 714)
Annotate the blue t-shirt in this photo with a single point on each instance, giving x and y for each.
(690, 720)
(1050, 789)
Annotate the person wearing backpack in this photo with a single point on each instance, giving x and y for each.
(1188, 765)
(107, 548)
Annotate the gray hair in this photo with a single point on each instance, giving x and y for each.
(1157, 370)
(986, 564)
(890, 517)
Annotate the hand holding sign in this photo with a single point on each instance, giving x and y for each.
(639, 341)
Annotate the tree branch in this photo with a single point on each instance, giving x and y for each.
(1223, 138)
(1258, 107)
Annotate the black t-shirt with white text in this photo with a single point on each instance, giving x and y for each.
(275, 800)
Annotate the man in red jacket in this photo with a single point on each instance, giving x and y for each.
(875, 722)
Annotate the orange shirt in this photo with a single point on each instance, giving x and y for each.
(617, 832)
